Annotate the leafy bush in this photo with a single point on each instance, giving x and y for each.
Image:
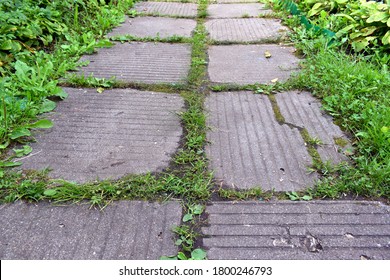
(365, 25)
(39, 41)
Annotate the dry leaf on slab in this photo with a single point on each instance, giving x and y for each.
(274, 80)
(267, 54)
(100, 90)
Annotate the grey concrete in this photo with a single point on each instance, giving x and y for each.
(245, 30)
(249, 148)
(298, 230)
(247, 64)
(167, 8)
(109, 135)
(141, 62)
(303, 110)
(236, 10)
(161, 27)
(123, 230)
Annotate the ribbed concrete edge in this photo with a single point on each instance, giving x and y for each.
(298, 230)
(123, 230)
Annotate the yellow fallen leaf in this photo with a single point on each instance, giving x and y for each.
(274, 80)
(100, 90)
(267, 54)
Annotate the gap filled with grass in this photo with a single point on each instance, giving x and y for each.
(354, 89)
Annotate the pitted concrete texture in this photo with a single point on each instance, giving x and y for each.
(249, 148)
(141, 62)
(236, 10)
(245, 30)
(123, 230)
(247, 64)
(303, 110)
(161, 27)
(298, 230)
(108, 135)
(167, 8)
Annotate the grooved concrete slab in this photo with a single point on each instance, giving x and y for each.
(123, 230)
(155, 27)
(141, 62)
(167, 8)
(247, 64)
(109, 135)
(244, 30)
(302, 109)
(236, 10)
(250, 148)
(298, 230)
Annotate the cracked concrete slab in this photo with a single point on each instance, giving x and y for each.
(129, 230)
(249, 148)
(161, 27)
(167, 8)
(108, 135)
(140, 62)
(247, 64)
(245, 30)
(303, 110)
(298, 230)
(236, 10)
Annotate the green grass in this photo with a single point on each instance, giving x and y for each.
(355, 92)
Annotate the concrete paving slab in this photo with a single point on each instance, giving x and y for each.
(167, 8)
(141, 62)
(123, 230)
(302, 109)
(250, 148)
(236, 10)
(109, 135)
(298, 230)
(247, 64)
(245, 30)
(161, 27)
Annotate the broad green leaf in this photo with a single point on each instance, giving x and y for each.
(315, 9)
(59, 92)
(50, 192)
(378, 16)
(10, 163)
(178, 242)
(41, 124)
(4, 145)
(198, 209)
(22, 152)
(187, 217)
(385, 129)
(198, 254)
(1, 174)
(388, 22)
(307, 197)
(47, 106)
(182, 256)
(386, 38)
(19, 132)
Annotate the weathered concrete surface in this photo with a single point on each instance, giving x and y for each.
(161, 27)
(236, 10)
(123, 230)
(247, 64)
(109, 135)
(298, 230)
(303, 110)
(250, 148)
(167, 8)
(141, 62)
(245, 30)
